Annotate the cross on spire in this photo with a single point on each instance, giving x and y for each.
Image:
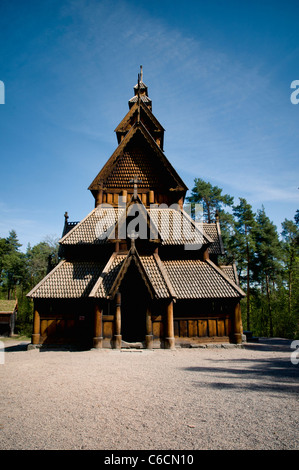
(135, 181)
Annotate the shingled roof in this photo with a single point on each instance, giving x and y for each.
(95, 228)
(152, 269)
(175, 227)
(179, 278)
(69, 279)
(231, 272)
(140, 131)
(195, 279)
(8, 306)
(214, 232)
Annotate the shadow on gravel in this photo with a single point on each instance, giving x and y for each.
(19, 347)
(276, 375)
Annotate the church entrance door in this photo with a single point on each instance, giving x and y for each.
(134, 301)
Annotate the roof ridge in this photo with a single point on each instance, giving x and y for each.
(164, 274)
(150, 223)
(133, 253)
(102, 275)
(146, 110)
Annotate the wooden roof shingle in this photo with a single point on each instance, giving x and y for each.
(195, 279)
(68, 280)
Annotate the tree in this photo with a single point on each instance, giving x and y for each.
(13, 264)
(210, 197)
(244, 244)
(290, 246)
(3, 251)
(268, 256)
(40, 260)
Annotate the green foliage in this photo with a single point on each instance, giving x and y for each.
(267, 264)
(19, 272)
(40, 259)
(210, 197)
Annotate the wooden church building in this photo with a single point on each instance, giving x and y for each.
(130, 273)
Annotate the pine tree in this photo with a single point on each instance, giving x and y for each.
(290, 235)
(210, 197)
(40, 259)
(268, 257)
(244, 245)
(13, 264)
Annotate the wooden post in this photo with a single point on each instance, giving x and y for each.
(36, 326)
(169, 339)
(151, 197)
(124, 196)
(117, 336)
(98, 326)
(149, 330)
(237, 324)
(99, 198)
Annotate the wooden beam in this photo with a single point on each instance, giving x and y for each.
(99, 198)
(237, 324)
(117, 336)
(169, 337)
(36, 326)
(149, 329)
(98, 326)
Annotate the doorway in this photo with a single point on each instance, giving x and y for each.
(134, 301)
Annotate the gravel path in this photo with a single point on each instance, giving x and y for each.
(188, 399)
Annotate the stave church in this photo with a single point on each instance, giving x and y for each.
(138, 271)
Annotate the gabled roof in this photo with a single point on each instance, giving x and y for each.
(181, 279)
(137, 129)
(127, 119)
(150, 268)
(165, 224)
(146, 226)
(143, 98)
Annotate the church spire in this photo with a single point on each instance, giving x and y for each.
(140, 89)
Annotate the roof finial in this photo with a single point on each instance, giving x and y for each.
(141, 73)
(138, 99)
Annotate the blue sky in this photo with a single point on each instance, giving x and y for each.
(219, 75)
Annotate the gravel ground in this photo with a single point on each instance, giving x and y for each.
(188, 399)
